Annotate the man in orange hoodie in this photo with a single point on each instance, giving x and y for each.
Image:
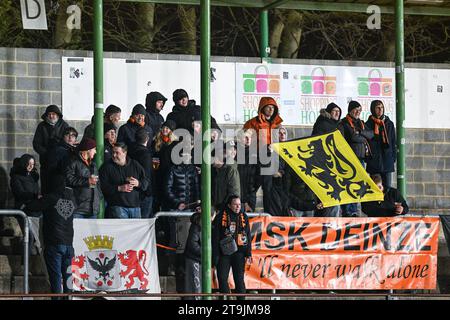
(266, 120)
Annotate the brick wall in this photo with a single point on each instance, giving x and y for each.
(30, 79)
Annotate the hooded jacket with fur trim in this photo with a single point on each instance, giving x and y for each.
(324, 123)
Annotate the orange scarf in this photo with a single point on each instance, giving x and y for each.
(376, 130)
(350, 121)
(132, 120)
(226, 222)
(165, 139)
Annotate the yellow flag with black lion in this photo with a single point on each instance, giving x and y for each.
(328, 165)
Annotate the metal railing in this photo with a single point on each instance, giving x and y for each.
(26, 239)
(189, 213)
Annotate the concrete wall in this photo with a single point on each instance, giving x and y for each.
(30, 79)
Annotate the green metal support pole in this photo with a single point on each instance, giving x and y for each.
(264, 48)
(98, 87)
(205, 73)
(400, 95)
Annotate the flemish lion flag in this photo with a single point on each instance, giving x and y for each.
(330, 168)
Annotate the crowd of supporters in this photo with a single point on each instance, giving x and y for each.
(140, 175)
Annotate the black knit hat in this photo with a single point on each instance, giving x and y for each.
(138, 109)
(170, 124)
(353, 105)
(179, 94)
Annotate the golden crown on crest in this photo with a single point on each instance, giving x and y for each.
(99, 242)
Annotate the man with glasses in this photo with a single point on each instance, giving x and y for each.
(357, 136)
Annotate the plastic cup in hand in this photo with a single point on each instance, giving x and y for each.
(95, 178)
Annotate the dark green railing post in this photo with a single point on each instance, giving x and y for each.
(400, 95)
(205, 61)
(98, 87)
(264, 48)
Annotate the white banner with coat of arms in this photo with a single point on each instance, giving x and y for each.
(115, 256)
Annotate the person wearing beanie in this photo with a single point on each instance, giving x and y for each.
(328, 119)
(154, 104)
(162, 147)
(48, 133)
(127, 131)
(140, 152)
(82, 176)
(60, 155)
(268, 118)
(383, 144)
(185, 110)
(357, 135)
(109, 131)
(112, 116)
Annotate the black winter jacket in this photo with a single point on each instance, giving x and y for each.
(58, 208)
(181, 185)
(300, 195)
(112, 176)
(184, 116)
(128, 130)
(77, 177)
(47, 136)
(385, 208)
(383, 155)
(357, 137)
(153, 118)
(193, 248)
(59, 158)
(249, 178)
(142, 155)
(222, 228)
(24, 186)
(324, 123)
(108, 151)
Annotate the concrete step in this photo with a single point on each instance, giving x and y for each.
(12, 265)
(14, 285)
(37, 284)
(168, 284)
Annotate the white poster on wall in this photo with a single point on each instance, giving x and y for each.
(236, 88)
(427, 96)
(127, 82)
(302, 90)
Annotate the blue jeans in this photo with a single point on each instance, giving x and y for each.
(147, 208)
(125, 213)
(58, 259)
(81, 215)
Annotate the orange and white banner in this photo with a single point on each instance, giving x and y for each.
(343, 253)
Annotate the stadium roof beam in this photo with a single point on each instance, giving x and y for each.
(426, 8)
